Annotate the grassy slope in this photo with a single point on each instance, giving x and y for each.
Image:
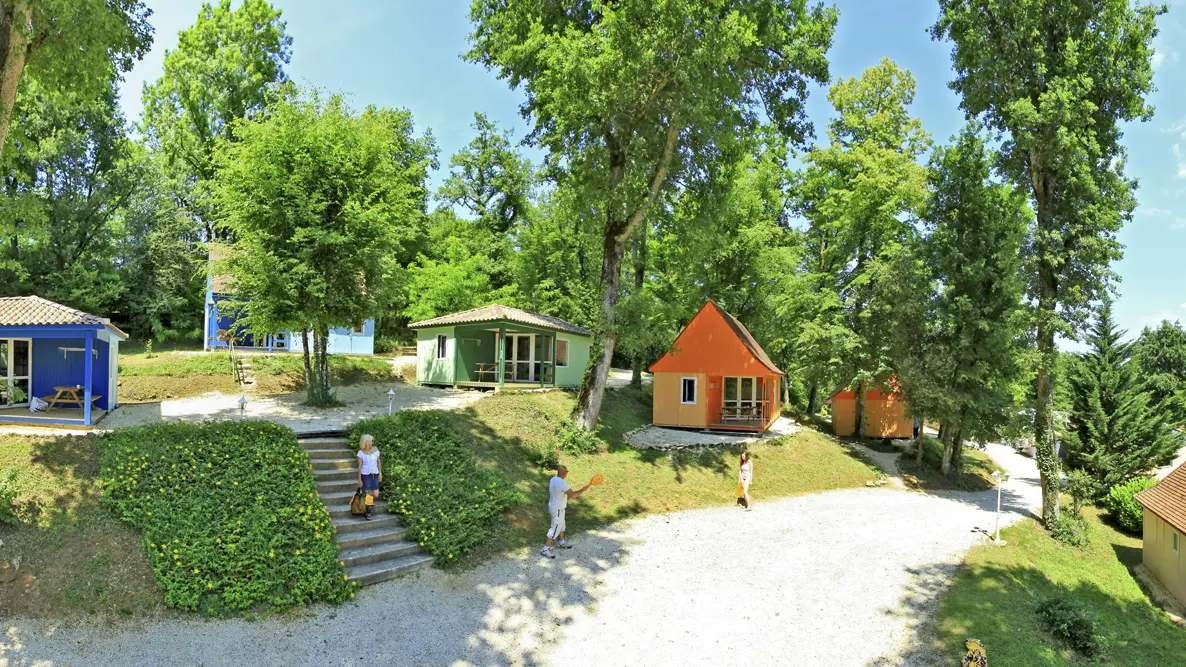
(144, 378)
(506, 430)
(977, 475)
(994, 596)
(81, 559)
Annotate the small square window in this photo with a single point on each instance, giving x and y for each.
(687, 394)
(359, 330)
(442, 346)
(561, 353)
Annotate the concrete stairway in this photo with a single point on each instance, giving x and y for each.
(375, 550)
(246, 372)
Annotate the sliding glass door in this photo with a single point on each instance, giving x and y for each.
(15, 371)
(742, 398)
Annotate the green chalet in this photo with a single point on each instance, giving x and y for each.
(497, 346)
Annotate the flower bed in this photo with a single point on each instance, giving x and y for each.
(432, 479)
(228, 513)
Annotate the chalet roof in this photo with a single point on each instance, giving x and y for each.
(36, 311)
(495, 313)
(1167, 498)
(744, 334)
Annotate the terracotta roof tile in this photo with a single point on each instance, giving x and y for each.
(35, 311)
(1167, 498)
(495, 312)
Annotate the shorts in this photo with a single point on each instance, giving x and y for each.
(370, 482)
(557, 526)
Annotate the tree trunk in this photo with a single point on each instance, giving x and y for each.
(1047, 456)
(617, 233)
(812, 398)
(859, 419)
(920, 440)
(957, 455)
(305, 348)
(640, 272)
(317, 369)
(14, 48)
(948, 452)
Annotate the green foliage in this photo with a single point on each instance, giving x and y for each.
(574, 441)
(322, 201)
(1058, 85)
(228, 514)
(1161, 356)
(1070, 529)
(1121, 501)
(656, 120)
(1069, 621)
(1116, 432)
(1082, 488)
(448, 503)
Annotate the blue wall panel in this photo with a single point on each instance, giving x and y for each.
(52, 367)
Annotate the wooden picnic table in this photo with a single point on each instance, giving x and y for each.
(486, 368)
(70, 396)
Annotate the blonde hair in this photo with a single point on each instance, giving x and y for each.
(366, 437)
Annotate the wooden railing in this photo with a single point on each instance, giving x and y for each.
(755, 412)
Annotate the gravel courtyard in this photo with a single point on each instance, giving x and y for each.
(842, 578)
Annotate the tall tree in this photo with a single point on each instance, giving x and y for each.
(977, 228)
(1160, 355)
(1116, 433)
(1055, 80)
(859, 195)
(222, 70)
(321, 200)
(67, 45)
(631, 96)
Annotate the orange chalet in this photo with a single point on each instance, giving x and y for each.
(885, 414)
(716, 376)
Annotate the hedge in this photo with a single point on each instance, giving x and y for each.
(449, 504)
(228, 513)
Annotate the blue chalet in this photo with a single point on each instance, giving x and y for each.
(63, 356)
(220, 326)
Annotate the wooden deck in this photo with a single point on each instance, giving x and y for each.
(53, 417)
(739, 425)
(509, 386)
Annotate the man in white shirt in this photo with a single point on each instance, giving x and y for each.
(558, 494)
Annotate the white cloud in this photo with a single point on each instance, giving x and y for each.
(1157, 318)
(1158, 58)
(1183, 305)
(1181, 159)
(1154, 212)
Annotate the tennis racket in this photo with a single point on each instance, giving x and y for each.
(597, 480)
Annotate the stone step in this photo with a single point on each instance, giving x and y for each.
(374, 553)
(335, 464)
(336, 497)
(334, 475)
(349, 525)
(337, 486)
(373, 573)
(384, 533)
(321, 441)
(341, 510)
(333, 454)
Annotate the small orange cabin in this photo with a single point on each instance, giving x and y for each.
(716, 376)
(885, 414)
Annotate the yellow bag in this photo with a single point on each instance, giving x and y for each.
(738, 492)
(358, 504)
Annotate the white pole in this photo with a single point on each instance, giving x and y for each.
(390, 400)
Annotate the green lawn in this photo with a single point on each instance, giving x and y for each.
(994, 596)
(507, 428)
(145, 378)
(977, 473)
(75, 557)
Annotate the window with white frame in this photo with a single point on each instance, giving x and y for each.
(561, 353)
(687, 391)
(442, 346)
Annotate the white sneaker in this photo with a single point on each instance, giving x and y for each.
(546, 553)
(563, 545)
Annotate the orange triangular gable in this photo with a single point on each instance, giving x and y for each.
(715, 343)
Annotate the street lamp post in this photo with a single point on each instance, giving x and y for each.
(996, 475)
(242, 406)
(390, 400)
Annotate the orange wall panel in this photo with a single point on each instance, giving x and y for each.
(667, 410)
(844, 415)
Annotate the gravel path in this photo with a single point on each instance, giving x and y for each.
(659, 437)
(842, 578)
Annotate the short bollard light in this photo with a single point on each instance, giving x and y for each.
(242, 406)
(390, 400)
(1000, 480)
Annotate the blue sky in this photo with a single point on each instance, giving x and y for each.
(407, 54)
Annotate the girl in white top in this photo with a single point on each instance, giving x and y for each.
(370, 472)
(744, 475)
